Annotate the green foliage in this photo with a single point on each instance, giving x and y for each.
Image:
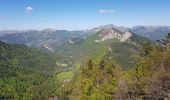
(95, 83)
(65, 75)
(25, 73)
(149, 79)
(89, 49)
(152, 73)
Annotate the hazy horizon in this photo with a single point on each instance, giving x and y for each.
(18, 29)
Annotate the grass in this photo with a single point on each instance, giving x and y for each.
(65, 75)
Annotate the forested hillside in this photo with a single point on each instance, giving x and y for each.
(30, 74)
(149, 79)
(26, 73)
(108, 43)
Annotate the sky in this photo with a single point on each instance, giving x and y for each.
(81, 14)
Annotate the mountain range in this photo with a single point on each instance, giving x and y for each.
(40, 64)
(152, 32)
(108, 41)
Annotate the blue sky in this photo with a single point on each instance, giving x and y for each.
(81, 14)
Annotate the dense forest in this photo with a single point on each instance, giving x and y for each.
(25, 73)
(149, 79)
(30, 74)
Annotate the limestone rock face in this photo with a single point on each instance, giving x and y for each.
(126, 36)
(111, 33)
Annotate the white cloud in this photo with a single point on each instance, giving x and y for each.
(29, 10)
(102, 11)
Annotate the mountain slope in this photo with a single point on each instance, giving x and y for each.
(51, 40)
(151, 32)
(25, 73)
(110, 43)
(47, 40)
(120, 28)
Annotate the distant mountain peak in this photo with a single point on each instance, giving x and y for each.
(108, 26)
(152, 32)
(49, 30)
(112, 33)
